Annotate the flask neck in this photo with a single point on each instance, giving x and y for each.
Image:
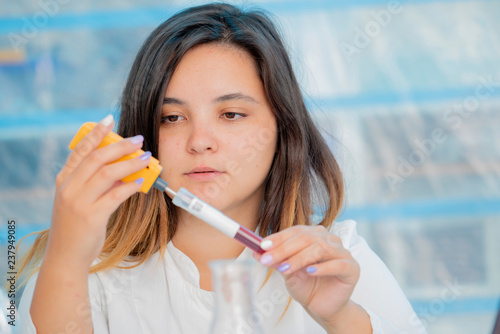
(233, 296)
(234, 307)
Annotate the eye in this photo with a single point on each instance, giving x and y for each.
(233, 115)
(171, 119)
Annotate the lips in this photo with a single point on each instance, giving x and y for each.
(203, 170)
(203, 173)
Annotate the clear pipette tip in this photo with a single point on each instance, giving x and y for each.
(162, 185)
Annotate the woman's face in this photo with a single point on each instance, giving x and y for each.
(218, 133)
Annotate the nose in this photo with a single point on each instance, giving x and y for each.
(202, 139)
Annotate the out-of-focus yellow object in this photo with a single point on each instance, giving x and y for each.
(10, 56)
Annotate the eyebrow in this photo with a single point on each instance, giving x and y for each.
(223, 98)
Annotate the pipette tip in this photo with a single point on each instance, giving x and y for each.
(162, 185)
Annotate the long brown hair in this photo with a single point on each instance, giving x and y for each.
(304, 174)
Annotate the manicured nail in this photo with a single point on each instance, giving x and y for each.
(311, 269)
(266, 244)
(284, 267)
(137, 139)
(145, 156)
(106, 121)
(139, 180)
(266, 259)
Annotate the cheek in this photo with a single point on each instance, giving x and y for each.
(255, 153)
(169, 152)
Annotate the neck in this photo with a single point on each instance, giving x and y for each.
(203, 243)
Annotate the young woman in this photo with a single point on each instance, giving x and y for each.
(213, 96)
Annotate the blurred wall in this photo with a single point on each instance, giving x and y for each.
(406, 92)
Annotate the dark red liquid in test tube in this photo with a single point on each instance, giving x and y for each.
(249, 239)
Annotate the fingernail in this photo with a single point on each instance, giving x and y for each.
(139, 180)
(137, 139)
(145, 156)
(266, 259)
(266, 244)
(311, 269)
(284, 267)
(106, 121)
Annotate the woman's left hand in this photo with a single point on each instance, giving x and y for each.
(319, 273)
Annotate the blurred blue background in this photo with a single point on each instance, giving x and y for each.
(410, 90)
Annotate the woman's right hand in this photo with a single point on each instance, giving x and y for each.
(88, 190)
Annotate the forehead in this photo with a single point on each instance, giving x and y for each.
(228, 49)
(215, 67)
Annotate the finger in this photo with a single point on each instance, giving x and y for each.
(289, 247)
(108, 175)
(318, 252)
(116, 184)
(345, 269)
(96, 160)
(113, 198)
(303, 238)
(88, 144)
(278, 238)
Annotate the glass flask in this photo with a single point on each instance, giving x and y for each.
(234, 308)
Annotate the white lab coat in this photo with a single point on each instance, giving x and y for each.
(163, 296)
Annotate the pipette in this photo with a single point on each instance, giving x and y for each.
(182, 198)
